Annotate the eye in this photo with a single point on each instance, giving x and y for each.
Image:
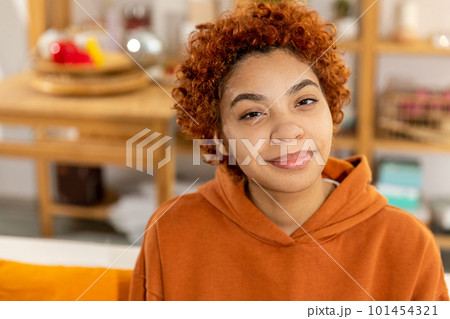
(251, 114)
(308, 101)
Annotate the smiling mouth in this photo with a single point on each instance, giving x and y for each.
(293, 160)
(292, 157)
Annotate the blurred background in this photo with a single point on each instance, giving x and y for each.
(71, 95)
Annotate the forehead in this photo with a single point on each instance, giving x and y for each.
(268, 74)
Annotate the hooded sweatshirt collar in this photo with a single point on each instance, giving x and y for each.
(352, 202)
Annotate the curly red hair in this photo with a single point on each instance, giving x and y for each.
(214, 49)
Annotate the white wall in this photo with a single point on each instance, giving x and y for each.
(434, 16)
(16, 175)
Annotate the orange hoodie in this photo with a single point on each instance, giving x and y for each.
(216, 245)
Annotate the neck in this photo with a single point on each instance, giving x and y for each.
(299, 205)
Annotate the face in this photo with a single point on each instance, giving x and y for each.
(266, 109)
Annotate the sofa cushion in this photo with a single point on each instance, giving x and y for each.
(20, 282)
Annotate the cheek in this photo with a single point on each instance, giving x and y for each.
(319, 131)
(330, 125)
(251, 136)
(324, 134)
(324, 124)
(244, 131)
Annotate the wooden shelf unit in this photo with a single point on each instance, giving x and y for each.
(416, 48)
(94, 212)
(403, 145)
(103, 127)
(350, 46)
(370, 48)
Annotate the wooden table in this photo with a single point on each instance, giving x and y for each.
(101, 126)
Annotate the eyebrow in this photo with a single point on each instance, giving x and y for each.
(258, 97)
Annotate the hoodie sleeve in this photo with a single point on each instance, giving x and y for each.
(430, 282)
(146, 282)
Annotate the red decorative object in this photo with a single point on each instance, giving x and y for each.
(68, 53)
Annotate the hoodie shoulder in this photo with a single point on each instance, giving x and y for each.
(181, 209)
(402, 224)
(420, 250)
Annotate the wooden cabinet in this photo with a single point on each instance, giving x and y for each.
(104, 125)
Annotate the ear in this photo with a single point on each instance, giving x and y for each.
(221, 147)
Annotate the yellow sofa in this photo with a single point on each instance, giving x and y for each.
(36, 269)
(28, 282)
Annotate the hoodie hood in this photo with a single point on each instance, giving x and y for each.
(350, 204)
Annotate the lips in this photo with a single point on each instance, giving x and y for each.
(293, 160)
(291, 157)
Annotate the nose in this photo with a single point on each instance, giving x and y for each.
(286, 128)
(286, 132)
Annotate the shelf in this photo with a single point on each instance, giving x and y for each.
(349, 46)
(345, 142)
(418, 48)
(392, 47)
(67, 151)
(95, 212)
(410, 146)
(183, 146)
(443, 241)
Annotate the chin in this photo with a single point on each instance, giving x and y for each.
(284, 180)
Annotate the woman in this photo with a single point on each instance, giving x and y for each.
(281, 220)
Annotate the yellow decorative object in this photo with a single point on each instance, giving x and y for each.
(95, 52)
